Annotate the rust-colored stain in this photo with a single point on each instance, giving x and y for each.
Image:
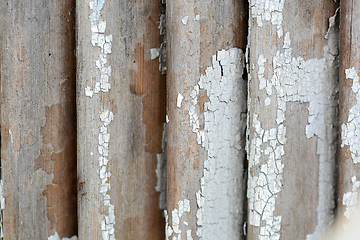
(196, 163)
(58, 156)
(144, 219)
(202, 99)
(80, 186)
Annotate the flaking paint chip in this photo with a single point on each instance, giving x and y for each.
(154, 53)
(185, 19)
(179, 100)
(88, 92)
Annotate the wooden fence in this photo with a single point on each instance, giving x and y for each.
(222, 119)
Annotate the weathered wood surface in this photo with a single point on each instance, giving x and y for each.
(38, 126)
(349, 108)
(206, 137)
(121, 112)
(292, 119)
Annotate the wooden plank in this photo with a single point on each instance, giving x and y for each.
(292, 119)
(38, 125)
(349, 67)
(121, 112)
(206, 110)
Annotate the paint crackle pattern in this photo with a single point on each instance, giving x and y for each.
(102, 41)
(292, 80)
(219, 200)
(351, 129)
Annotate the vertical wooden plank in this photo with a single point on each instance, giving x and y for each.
(349, 67)
(121, 112)
(38, 125)
(206, 110)
(292, 118)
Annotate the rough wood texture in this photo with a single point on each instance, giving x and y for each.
(292, 118)
(38, 125)
(197, 179)
(349, 103)
(119, 128)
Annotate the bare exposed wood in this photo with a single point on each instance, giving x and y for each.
(38, 125)
(196, 32)
(125, 204)
(349, 67)
(292, 119)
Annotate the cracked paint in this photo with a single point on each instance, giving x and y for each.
(351, 129)
(293, 80)
(219, 198)
(268, 11)
(350, 199)
(99, 39)
(178, 217)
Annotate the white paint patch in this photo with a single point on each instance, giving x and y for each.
(197, 18)
(270, 10)
(219, 198)
(185, 20)
(179, 100)
(56, 237)
(350, 199)
(178, 217)
(161, 172)
(294, 80)
(11, 136)
(351, 130)
(99, 39)
(154, 53)
(167, 119)
(107, 225)
(88, 92)
(332, 24)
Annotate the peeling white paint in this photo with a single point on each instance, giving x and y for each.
(154, 53)
(219, 198)
(88, 92)
(270, 10)
(351, 130)
(56, 237)
(178, 217)
(332, 24)
(197, 18)
(99, 39)
(161, 172)
(185, 20)
(350, 199)
(179, 100)
(102, 41)
(11, 136)
(293, 80)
